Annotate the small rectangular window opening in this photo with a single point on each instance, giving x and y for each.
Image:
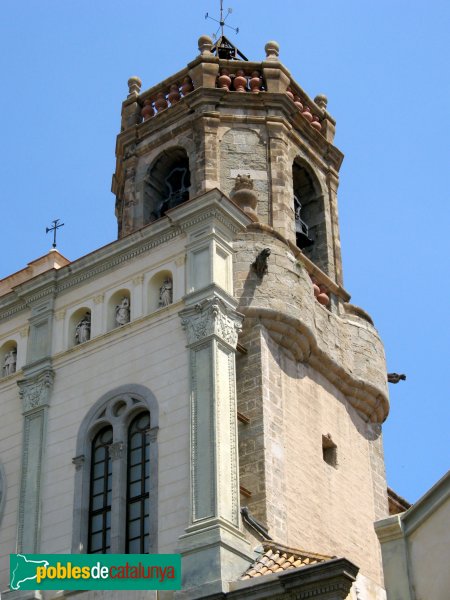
(329, 450)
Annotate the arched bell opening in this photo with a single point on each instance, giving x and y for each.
(309, 212)
(167, 183)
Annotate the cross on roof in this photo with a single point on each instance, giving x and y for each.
(56, 225)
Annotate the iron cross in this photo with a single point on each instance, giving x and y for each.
(56, 225)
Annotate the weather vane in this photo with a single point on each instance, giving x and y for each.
(56, 225)
(222, 23)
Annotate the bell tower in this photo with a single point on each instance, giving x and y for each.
(309, 374)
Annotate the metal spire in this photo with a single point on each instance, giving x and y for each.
(56, 225)
(222, 23)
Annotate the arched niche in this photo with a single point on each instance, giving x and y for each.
(309, 212)
(167, 183)
(8, 358)
(160, 290)
(119, 309)
(79, 327)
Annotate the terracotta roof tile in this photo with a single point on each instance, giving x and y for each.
(275, 558)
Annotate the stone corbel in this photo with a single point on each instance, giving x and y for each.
(79, 461)
(35, 391)
(209, 318)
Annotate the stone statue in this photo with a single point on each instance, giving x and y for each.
(83, 329)
(123, 311)
(9, 364)
(260, 265)
(165, 292)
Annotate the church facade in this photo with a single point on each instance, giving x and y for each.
(203, 384)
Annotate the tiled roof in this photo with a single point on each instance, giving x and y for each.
(276, 558)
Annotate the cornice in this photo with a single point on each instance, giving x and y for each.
(212, 205)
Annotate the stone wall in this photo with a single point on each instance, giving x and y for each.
(244, 152)
(294, 399)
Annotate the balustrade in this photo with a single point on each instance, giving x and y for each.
(158, 100)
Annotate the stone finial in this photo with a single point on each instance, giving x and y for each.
(272, 50)
(321, 100)
(244, 196)
(134, 86)
(205, 44)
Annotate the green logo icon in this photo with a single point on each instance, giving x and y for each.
(23, 570)
(95, 571)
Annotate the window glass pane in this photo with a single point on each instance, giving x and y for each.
(134, 528)
(135, 473)
(99, 455)
(98, 486)
(134, 546)
(135, 489)
(96, 541)
(99, 470)
(136, 441)
(135, 457)
(97, 523)
(134, 510)
(97, 502)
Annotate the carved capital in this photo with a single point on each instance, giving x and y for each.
(138, 279)
(99, 298)
(212, 318)
(59, 316)
(35, 391)
(116, 450)
(24, 331)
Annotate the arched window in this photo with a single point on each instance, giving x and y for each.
(138, 485)
(100, 493)
(115, 500)
(310, 227)
(167, 183)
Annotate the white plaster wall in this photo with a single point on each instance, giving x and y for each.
(10, 456)
(151, 353)
(429, 547)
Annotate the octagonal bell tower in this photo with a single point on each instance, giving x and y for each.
(310, 369)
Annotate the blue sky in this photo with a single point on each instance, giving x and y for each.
(384, 66)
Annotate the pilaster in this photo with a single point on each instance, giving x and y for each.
(35, 391)
(280, 173)
(214, 549)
